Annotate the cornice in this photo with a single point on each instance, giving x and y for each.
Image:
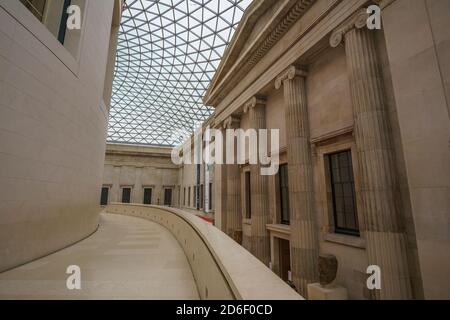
(137, 150)
(290, 12)
(290, 73)
(293, 15)
(316, 29)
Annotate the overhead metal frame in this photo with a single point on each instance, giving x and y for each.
(167, 54)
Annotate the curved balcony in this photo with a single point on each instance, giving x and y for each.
(148, 252)
(222, 268)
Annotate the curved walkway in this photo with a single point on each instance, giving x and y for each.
(127, 258)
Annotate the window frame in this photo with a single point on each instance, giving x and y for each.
(202, 198)
(63, 25)
(248, 195)
(344, 230)
(166, 189)
(151, 195)
(38, 30)
(210, 196)
(280, 190)
(189, 196)
(107, 196)
(122, 194)
(194, 204)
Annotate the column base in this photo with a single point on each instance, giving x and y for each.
(334, 292)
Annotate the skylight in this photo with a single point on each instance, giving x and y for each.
(168, 51)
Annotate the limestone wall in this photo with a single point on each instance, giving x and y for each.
(52, 132)
(400, 75)
(418, 47)
(139, 168)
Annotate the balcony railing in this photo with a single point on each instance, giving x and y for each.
(221, 267)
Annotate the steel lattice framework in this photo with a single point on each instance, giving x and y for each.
(168, 51)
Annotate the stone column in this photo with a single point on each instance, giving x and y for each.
(386, 241)
(233, 207)
(220, 191)
(138, 196)
(304, 239)
(115, 189)
(260, 240)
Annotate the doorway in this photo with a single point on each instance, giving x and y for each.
(284, 259)
(148, 196)
(168, 197)
(126, 195)
(104, 196)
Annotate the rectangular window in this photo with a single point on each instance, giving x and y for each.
(284, 194)
(168, 197)
(210, 197)
(201, 197)
(126, 195)
(343, 193)
(53, 14)
(248, 196)
(104, 196)
(184, 196)
(195, 197)
(189, 196)
(147, 195)
(36, 7)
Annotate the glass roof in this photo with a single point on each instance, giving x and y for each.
(168, 51)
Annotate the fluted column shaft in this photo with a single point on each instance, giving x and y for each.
(220, 189)
(233, 206)
(115, 189)
(304, 241)
(386, 242)
(138, 196)
(260, 240)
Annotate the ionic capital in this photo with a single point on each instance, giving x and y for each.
(232, 122)
(290, 73)
(358, 20)
(383, 3)
(255, 101)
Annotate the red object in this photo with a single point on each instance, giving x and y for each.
(206, 219)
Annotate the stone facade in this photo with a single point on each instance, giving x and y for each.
(373, 101)
(332, 86)
(140, 168)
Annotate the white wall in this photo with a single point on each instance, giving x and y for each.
(52, 132)
(418, 46)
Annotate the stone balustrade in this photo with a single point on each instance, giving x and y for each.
(222, 268)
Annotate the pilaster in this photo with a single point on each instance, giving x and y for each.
(304, 241)
(386, 241)
(233, 197)
(260, 240)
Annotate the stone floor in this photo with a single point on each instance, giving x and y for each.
(127, 258)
